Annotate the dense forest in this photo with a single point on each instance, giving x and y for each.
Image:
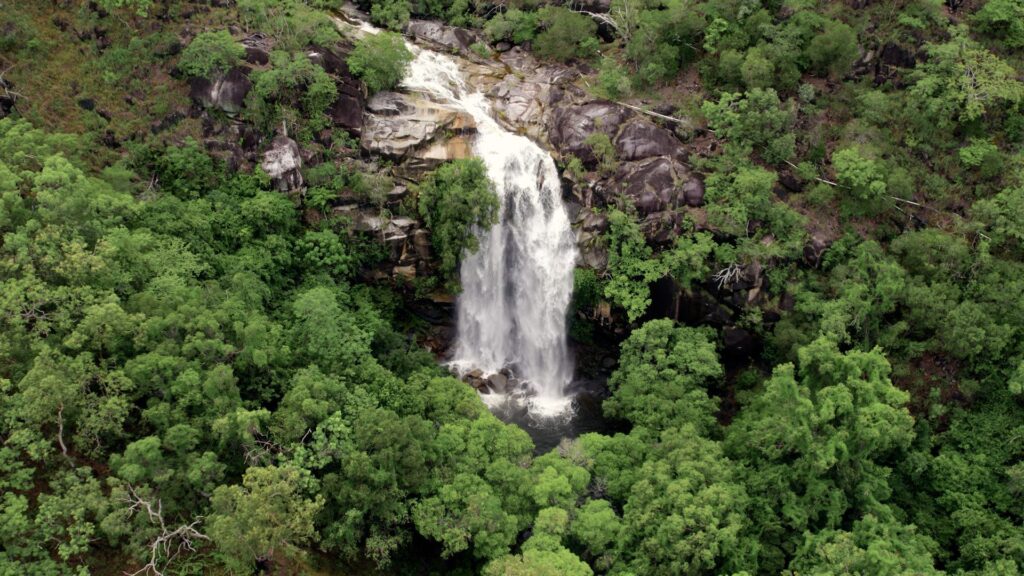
(210, 364)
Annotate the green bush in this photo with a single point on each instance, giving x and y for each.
(292, 23)
(604, 151)
(515, 26)
(456, 201)
(391, 14)
(632, 266)
(566, 36)
(210, 53)
(862, 176)
(293, 82)
(756, 119)
(380, 60)
(1003, 19)
(612, 80)
(834, 50)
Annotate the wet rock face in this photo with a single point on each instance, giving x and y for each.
(415, 131)
(283, 162)
(225, 92)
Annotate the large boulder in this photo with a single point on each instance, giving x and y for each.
(438, 35)
(225, 92)
(641, 139)
(283, 163)
(573, 124)
(523, 100)
(652, 185)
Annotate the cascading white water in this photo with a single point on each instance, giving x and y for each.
(517, 287)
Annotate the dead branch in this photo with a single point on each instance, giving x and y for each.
(822, 180)
(7, 89)
(728, 275)
(60, 434)
(650, 113)
(169, 543)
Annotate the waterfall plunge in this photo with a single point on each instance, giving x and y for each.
(517, 287)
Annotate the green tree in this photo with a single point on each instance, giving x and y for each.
(817, 443)
(963, 81)
(380, 60)
(663, 378)
(686, 512)
(756, 119)
(457, 201)
(268, 516)
(466, 513)
(631, 264)
(512, 25)
(834, 50)
(566, 34)
(293, 81)
(392, 14)
(1003, 19)
(872, 547)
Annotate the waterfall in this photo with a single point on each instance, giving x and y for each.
(516, 289)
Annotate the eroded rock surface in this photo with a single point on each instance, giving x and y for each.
(225, 92)
(415, 131)
(283, 163)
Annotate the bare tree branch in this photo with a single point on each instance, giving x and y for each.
(169, 544)
(728, 275)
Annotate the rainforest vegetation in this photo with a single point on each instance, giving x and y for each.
(198, 374)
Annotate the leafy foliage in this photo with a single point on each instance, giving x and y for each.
(457, 202)
(210, 53)
(380, 60)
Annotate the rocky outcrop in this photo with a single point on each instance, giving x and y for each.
(283, 163)
(225, 92)
(652, 185)
(418, 133)
(524, 100)
(640, 139)
(346, 112)
(572, 124)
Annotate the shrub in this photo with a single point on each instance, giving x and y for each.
(392, 14)
(292, 23)
(1003, 19)
(210, 53)
(612, 80)
(604, 151)
(455, 201)
(293, 81)
(863, 176)
(755, 119)
(632, 266)
(380, 60)
(834, 50)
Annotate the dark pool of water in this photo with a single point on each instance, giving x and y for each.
(546, 432)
